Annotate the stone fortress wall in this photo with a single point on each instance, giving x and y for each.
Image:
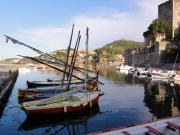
(176, 17)
(170, 12)
(155, 54)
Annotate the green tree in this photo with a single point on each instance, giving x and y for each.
(158, 26)
(96, 57)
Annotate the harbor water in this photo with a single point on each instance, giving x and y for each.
(126, 101)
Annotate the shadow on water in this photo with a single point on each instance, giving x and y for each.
(162, 99)
(5, 98)
(59, 124)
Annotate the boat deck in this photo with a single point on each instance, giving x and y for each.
(168, 126)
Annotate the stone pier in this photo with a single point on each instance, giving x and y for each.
(7, 81)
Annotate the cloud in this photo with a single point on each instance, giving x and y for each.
(105, 26)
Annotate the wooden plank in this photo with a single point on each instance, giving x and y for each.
(171, 124)
(153, 130)
(126, 133)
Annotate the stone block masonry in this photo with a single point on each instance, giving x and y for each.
(7, 81)
(170, 12)
(155, 55)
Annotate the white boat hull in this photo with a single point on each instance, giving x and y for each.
(169, 126)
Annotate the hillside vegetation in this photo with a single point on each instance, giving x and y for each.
(114, 51)
(119, 46)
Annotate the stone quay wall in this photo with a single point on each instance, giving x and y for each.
(155, 55)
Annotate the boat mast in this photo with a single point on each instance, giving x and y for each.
(74, 54)
(68, 51)
(86, 57)
(73, 60)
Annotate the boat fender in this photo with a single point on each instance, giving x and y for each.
(65, 109)
(90, 104)
(84, 104)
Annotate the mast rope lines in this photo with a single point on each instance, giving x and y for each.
(48, 55)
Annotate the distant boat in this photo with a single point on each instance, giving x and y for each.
(24, 70)
(144, 74)
(124, 68)
(162, 75)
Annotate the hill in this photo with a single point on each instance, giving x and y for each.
(119, 46)
(113, 52)
(9, 61)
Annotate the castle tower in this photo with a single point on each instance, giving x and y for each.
(176, 17)
(170, 12)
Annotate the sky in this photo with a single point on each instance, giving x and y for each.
(47, 24)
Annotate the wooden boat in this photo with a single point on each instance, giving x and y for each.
(49, 82)
(63, 103)
(168, 126)
(46, 92)
(37, 96)
(66, 103)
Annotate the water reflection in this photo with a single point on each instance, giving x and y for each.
(3, 103)
(161, 99)
(112, 74)
(127, 100)
(120, 78)
(72, 124)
